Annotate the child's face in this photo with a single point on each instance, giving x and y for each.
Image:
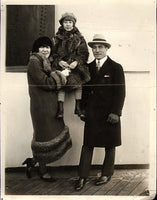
(45, 51)
(68, 25)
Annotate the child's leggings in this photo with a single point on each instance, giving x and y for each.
(77, 93)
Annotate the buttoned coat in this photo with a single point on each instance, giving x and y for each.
(104, 94)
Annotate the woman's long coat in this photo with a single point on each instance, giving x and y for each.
(51, 137)
(71, 46)
(103, 95)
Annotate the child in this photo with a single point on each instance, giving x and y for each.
(71, 53)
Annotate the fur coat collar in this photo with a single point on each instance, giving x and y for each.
(67, 41)
(45, 61)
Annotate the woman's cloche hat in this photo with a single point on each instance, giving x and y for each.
(43, 40)
(99, 39)
(68, 16)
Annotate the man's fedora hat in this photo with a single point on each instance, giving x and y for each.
(99, 39)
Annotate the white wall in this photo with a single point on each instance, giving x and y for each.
(129, 27)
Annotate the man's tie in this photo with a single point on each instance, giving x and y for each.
(98, 65)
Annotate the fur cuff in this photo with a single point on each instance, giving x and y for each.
(57, 79)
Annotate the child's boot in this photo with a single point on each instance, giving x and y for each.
(60, 110)
(78, 107)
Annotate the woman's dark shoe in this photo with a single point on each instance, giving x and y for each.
(30, 162)
(60, 110)
(80, 184)
(47, 177)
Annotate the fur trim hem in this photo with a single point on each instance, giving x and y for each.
(52, 150)
(54, 154)
(52, 144)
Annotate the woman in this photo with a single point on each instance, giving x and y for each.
(71, 53)
(51, 137)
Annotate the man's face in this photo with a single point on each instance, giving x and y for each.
(99, 51)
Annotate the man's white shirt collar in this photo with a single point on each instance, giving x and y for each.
(102, 60)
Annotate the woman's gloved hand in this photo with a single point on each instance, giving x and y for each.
(73, 65)
(63, 64)
(65, 72)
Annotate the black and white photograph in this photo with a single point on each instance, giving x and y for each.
(78, 99)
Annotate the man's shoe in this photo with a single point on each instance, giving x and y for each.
(103, 180)
(80, 184)
(47, 178)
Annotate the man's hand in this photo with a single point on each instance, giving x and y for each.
(113, 118)
(63, 64)
(73, 65)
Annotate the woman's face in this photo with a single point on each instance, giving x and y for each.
(68, 25)
(45, 51)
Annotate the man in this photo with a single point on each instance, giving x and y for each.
(102, 100)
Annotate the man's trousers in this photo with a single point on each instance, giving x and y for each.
(86, 159)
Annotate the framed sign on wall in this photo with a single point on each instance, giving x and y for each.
(25, 23)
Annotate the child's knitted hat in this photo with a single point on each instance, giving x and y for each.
(68, 16)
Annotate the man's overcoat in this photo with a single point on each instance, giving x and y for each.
(104, 94)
